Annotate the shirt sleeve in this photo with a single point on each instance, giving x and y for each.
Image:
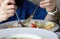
(40, 12)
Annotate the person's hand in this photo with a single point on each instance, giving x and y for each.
(7, 9)
(49, 5)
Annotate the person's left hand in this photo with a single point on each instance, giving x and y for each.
(49, 5)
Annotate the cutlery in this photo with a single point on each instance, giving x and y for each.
(19, 21)
(28, 20)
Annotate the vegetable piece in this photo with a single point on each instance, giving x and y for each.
(33, 25)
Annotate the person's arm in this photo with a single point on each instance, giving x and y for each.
(53, 16)
(50, 6)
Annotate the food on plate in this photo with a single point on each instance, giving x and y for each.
(46, 25)
(38, 24)
(34, 25)
(16, 25)
(49, 25)
(12, 26)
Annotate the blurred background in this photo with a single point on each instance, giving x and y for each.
(37, 1)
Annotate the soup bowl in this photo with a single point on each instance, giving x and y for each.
(31, 33)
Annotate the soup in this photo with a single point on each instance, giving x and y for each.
(22, 36)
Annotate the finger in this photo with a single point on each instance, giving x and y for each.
(46, 5)
(44, 2)
(7, 9)
(10, 7)
(5, 15)
(12, 2)
(10, 15)
(2, 12)
(7, 12)
(5, 2)
(47, 1)
(8, 2)
(3, 18)
(11, 11)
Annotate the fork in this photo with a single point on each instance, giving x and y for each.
(30, 17)
(24, 23)
(27, 21)
(19, 21)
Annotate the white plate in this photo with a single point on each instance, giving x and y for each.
(5, 25)
(44, 34)
(58, 33)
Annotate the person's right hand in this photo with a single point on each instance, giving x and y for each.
(7, 10)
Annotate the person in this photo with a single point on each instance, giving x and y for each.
(46, 10)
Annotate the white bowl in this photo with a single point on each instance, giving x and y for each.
(43, 34)
(26, 36)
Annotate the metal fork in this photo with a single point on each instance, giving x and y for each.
(19, 21)
(27, 21)
(24, 23)
(30, 17)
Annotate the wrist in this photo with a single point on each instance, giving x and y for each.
(53, 12)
